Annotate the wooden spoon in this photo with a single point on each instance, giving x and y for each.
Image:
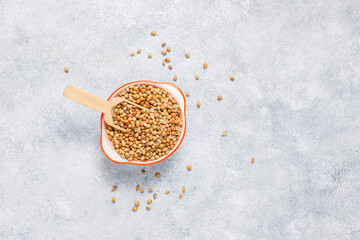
(98, 104)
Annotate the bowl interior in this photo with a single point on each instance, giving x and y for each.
(107, 146)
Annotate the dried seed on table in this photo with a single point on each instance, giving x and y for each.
(196, 77)
(175, 78)
(136, 203)
(137, 187)
(148, 208)
(150, 190)
(219, 97)
(205, 65)
(187, 94)
(170, 67)
(114, 188)
(113, 199)
(134, 209)
(143, 171)
(155, 196)
(189, 167)
(181, 195)
(183, 189)
(232, 78)
(142, 190)
(157, 175)
(149, 201)
(164, 52)
(66, 70)
(167, 192)
(163, 63)
(163, 44)
(138, 51)
(150, 55)
(132, 54)
(153, 33)
(252, 160)
(168, 49)
(224, 133)
(198, 104)
(187, 55)
(167, 59)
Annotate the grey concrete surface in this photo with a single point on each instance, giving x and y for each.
(294, 106)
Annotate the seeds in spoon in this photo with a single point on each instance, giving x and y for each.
(132, 54)
(66, 70)
(150, 55)
(113, 199)
(163, 44)
(168, 49)
(189, 167)
(232, 78)
(175, 78)
(183, 189)
(187, 55)
(196, 77)
(149, 201)
(114, 188)
(198, 104)
(205, 65)
(153, 33)
(138, 51)
(224, 133)
(219, 97)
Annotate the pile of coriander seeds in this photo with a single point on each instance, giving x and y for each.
(150, 134)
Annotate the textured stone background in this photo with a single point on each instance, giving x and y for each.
(294, 106)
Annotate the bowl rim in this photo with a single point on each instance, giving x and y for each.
(152, 162)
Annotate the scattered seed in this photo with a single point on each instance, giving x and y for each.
(163, 44)
(232, 78)
(170, 67)
(183, 189)
(148, 208)
(205, 65)
(187, 55)
(150, 55)
(157, 175)
(114, 188)
(167, 59)
(187, 94)
(66, 70)
(138, 51)
(189, 167)
(164, 52)
(135, 209)
(137, 187)
(224, 133)
(150, 190)
(198, 104)
(155, 196)
(252, 160)
(167, 192)
(136, 203)
(219, 97)
(181, 195)
(168, 49)
(163, 63)
(153, 33)
(175, 78)
(143, 171)
(149, 201)
(142, 190)
(113, 199)
(196, 77)
(132, 54)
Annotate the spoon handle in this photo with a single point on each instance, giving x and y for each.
(86, 99)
